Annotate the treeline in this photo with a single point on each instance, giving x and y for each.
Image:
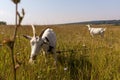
(114, 22)
(3, 23)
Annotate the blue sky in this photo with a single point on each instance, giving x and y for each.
(61, 11)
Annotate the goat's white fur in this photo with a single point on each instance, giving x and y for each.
(47, 40)
(96, 31)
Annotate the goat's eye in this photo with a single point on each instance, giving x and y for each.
(37, 39)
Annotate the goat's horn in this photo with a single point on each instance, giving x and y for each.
(34, 33)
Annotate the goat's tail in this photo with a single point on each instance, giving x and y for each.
(104, 29)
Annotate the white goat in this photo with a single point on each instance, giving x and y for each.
(46, 40)
(96, 31)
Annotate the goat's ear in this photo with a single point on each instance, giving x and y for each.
(27, 37)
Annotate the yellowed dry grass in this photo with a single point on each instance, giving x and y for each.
(84, 57)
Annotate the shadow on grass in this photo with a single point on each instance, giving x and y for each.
(79, 67)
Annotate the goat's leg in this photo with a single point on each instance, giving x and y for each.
(102, 35)
(45, 51)
(45, 58)
(55, 56)
(45, 55)
(92, 35)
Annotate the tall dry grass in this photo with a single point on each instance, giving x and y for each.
(81, 57)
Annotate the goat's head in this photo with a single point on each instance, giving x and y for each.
(88, 26)
(36, 43)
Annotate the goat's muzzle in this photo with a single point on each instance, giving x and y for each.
(31, 61)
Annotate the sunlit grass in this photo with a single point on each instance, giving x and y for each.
(81, 57)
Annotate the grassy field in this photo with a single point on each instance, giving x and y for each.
(81, 57)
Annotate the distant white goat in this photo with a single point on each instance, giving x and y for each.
(46, 40)
(96, 31)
